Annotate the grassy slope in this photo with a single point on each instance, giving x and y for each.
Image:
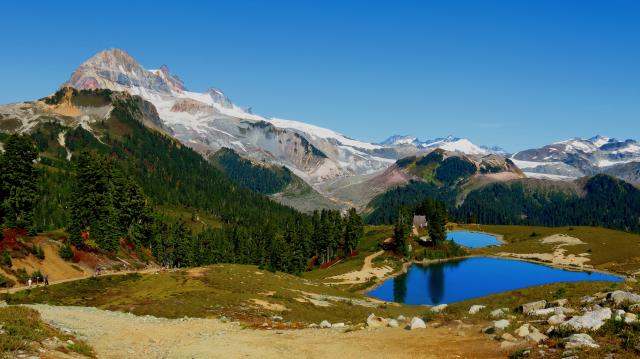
(610, 250)
(25, 330)
(220, 290)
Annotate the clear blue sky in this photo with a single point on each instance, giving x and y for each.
(512, 73)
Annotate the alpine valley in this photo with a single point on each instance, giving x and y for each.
(300, 164)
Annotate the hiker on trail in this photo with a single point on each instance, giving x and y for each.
(46, 280)
(29, 282)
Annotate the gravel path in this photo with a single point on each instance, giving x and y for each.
(122, 335)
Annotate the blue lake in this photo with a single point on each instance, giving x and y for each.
(473, 239)
(457, 280)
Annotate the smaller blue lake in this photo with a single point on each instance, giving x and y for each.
(462, 279)
(473, 239)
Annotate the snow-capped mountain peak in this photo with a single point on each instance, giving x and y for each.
(449, 143)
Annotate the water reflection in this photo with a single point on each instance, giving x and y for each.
(456, 280)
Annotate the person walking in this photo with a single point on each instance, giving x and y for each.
(29, 282)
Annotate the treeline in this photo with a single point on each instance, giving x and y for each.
(106, 206)
(258, 178)
(605, 201)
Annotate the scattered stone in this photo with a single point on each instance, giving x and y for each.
(549, 311)
(590, 320)
(498, 313)
(337, 325)
(277, 318)
(635, 308)
(439, 308)
(567, 353)
(619, 315)
(587, 299)
(70, 342)
(550, 330)
(556, 319)
(579, 340)
(373, 321)
(417, 323)
(501, 324)
(536, 337)
(401, 318)
(325, 324)
(523, 331)
(313, 325)
(511, 345)
(619, 297)
(558, 303)
(508, 337)
(476, 308)
(393, 323)
(630, 318)
(529, 307)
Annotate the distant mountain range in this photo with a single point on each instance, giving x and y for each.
(341, 169)
(449, 143)
(579, 157)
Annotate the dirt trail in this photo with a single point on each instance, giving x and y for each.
(122, 335)
(83, 276)
(365, 273)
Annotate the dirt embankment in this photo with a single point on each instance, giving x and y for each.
(121, 335)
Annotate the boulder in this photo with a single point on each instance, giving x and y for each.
(417, 323)
(558, 303)
(630, 318)
(498, 313)
(393, 323)
(338, 325)
(523, 331)
(373, 321)
(535, 336)
(325, 324)
(619, 314)
(501, 324)
(529, 307)
(556, 319)
(439, 308)
(587, 299)
(590, 320)
(508, 337)
(579, 340)
(620, 297)
(476, 308)
(401, 318)
(549, 311)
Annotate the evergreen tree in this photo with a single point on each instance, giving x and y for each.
(353, 232)
(18, 181)
(402, 230)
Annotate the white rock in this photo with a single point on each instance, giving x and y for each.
(508, 337)
(550, 311)
(417, 323)
(630, 317)
(580, 340)
(325, 324)
(374, 321)
(501, 324)
(587, 299)
(535, 336)
(439, 308)
(401, 318)
(337, 325)
(556, 319)
(528, 307)
(620, 297)
(590, 320)
(393, 323)
(619, 314)
(559, 302)
(498, 313)
(523, 331)
(476, 308)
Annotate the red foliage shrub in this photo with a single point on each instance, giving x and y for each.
(10, 236)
